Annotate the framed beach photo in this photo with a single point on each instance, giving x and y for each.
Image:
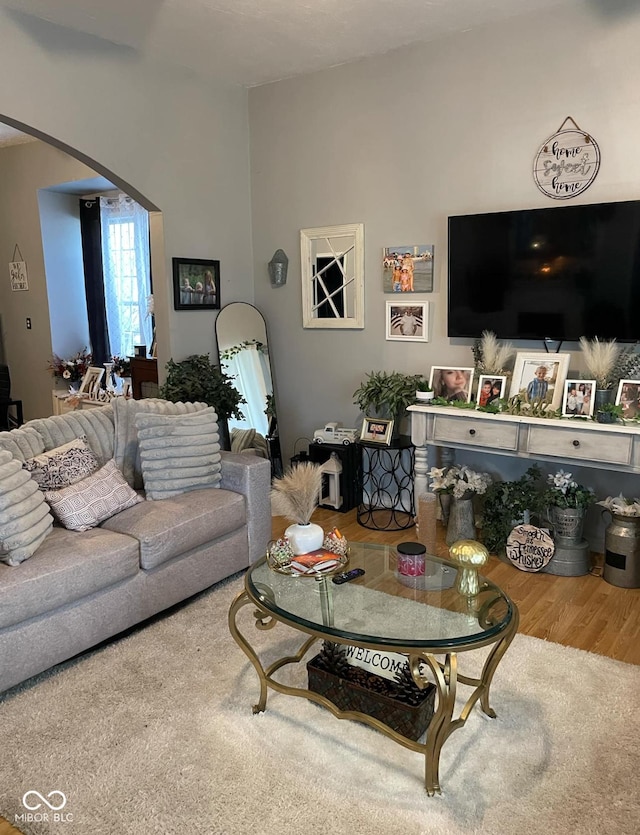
(407, 268)
(407, 321)
(91, 380)
(628, 397)
(539, 378)
(196, 284)
(578, 398)
(451, 382)
(491, 388)
(376, 430)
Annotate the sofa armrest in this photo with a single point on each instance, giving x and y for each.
(251, 476)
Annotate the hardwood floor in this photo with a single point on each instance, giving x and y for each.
(583, 612)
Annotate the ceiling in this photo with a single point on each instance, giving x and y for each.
(253, 42)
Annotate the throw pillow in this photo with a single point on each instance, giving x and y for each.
(63, 465)
(88, 502)
(179, 452)
(25, 520)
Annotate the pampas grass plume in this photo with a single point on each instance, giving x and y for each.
(600, 359)
(495, 356)
(296, 494)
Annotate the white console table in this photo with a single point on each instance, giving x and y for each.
(611, 447)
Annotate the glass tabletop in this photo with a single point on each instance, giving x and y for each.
(384, 607)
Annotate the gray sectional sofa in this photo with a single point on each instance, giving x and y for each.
(80, 588)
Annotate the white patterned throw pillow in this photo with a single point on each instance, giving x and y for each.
(63, 465)
(88, 502)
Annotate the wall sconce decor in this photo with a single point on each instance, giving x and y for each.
(278, 267)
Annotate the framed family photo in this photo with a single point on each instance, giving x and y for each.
(539, 377)
(628, 397)
(407, 268)
(407, 321)
(91, 380)
(451, 382)
(491, 387)
(578, 399)
(196, 284)
(376, 430)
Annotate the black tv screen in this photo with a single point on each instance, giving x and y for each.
(558, 273)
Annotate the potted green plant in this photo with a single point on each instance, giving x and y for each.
(195, 379)
(608, 413)
(508, 503)
(387, 394)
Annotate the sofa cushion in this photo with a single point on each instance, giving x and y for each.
(96, 424)
(126, 451)
(22, 443)
(178, 453)
(88, 502)
(172, 527)
(62, 466)
(25, 520)
(67, 567)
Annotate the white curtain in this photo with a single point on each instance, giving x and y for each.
(126, 266)
(250, 369)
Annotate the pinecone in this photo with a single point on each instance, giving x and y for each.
(407, 690)
(332, 659)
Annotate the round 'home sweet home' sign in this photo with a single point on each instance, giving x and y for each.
(566, 163)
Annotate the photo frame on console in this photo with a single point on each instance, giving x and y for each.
(91, 380)
(376, 430)
(628, 397)
(578, 398)
(539, 377)
(451, 382)
(491, 388)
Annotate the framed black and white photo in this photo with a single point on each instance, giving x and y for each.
(491, 388)
(628, 397)
(407, 321)
(578, 398)
(539, 377)
(451, 382)
(196, 284)
(376, 430)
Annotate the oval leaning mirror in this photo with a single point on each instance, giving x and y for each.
(243, 351)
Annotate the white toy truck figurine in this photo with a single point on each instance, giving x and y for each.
(335, 434)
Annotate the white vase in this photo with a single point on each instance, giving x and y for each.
(305, 538)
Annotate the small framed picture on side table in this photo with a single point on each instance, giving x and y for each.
(376, 430)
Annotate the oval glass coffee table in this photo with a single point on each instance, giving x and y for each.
(425, 618)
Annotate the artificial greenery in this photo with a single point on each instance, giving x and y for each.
(563, 491)
(387, 394)
(507, 502)
(195, 379)
(608, 413)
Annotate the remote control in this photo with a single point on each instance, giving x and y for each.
(348, 575)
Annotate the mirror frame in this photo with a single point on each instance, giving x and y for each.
(353, 235)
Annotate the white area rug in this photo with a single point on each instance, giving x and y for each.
(155, 734)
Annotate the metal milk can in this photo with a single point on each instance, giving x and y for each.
(622, 551)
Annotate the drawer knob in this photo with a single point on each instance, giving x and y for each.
(472, 431)
(576, 443)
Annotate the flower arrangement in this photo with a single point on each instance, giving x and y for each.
(563, 491)
(460, 482)
(491, 356)
(295, 495)
(621, 506)
(608, 362)
(72, 370)
(121, 366)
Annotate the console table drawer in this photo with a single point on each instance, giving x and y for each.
(476, 432)
(581, 444)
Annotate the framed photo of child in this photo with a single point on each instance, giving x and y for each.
(578, 399)
(538, 378)
(196, 284)
(376, 430)
(491, 388)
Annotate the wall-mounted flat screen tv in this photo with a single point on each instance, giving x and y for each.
(558, 273)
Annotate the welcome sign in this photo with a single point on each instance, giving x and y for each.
(566, 163)
(385, 664)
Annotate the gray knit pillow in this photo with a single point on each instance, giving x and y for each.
(24, 515)
(178, 452)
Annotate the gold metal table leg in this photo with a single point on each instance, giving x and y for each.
(263, 621)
